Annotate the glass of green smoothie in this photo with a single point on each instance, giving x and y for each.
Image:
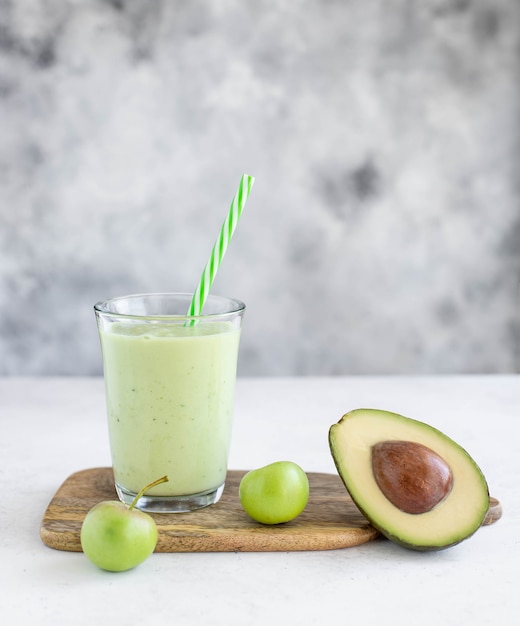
(170, 384)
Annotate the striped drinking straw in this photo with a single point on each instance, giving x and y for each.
(220, 247)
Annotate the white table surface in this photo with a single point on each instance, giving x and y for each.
(52, 427)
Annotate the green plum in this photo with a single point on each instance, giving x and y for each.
(117, 537)
(275, 493)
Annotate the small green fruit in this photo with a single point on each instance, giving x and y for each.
(274, 494)
(116, 537)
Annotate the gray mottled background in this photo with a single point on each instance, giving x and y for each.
(383, 231)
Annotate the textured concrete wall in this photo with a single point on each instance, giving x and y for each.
(383, 230)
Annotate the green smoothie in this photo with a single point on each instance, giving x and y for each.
(170, 396)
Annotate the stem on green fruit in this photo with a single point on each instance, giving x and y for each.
(164, 479)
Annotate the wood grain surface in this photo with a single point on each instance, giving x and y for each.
(330, 520)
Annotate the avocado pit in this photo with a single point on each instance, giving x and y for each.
(411, 476)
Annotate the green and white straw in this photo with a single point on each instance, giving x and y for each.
(220, 247)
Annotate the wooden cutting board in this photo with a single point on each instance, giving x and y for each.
(330, 520)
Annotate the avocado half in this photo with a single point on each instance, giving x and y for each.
(414, 484)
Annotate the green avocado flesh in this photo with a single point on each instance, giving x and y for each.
(451, 520)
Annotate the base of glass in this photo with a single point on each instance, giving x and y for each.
(171, 504)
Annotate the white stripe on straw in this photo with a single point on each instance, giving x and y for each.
(220, 247)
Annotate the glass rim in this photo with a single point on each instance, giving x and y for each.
(103, 307)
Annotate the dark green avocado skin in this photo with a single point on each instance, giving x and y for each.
(410, 546)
